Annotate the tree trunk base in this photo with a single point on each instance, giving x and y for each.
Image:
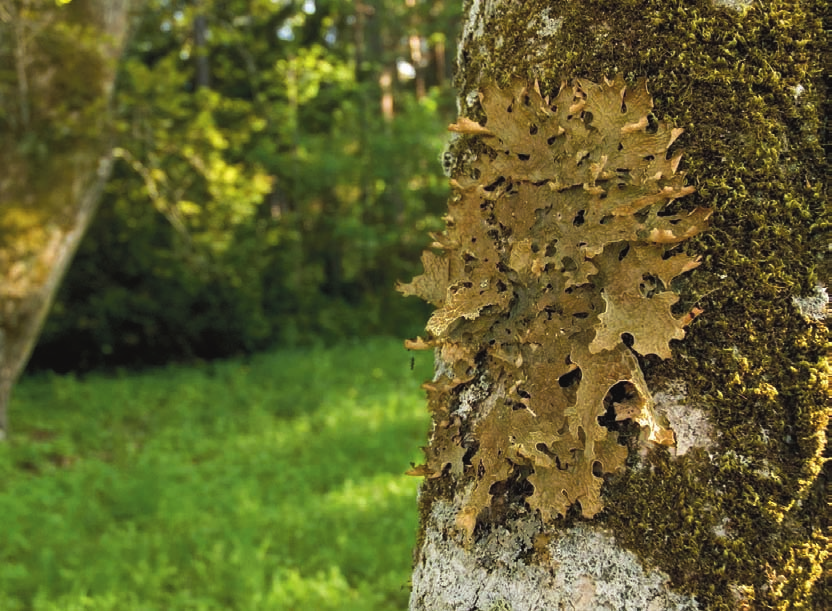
(522, 567)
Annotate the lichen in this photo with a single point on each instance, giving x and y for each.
(557, 245)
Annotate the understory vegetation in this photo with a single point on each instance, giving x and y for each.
(275, 482)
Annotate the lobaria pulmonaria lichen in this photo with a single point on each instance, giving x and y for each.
(553, 273)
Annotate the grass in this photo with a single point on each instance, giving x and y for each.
(269, 484)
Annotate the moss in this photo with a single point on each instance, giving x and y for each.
(744, 526)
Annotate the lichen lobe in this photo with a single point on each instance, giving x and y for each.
(558, 245)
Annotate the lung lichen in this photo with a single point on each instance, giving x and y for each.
(555, 267)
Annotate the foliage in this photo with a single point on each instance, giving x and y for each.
(274, 202)
(559, 243)
(192, 488)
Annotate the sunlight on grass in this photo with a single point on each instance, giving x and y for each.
(271, 484)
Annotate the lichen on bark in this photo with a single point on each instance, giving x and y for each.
(558, 243)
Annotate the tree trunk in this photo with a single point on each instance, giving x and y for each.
(57, 164)
(630, 398)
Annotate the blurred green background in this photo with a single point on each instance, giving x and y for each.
(219, 412)
(279, 170)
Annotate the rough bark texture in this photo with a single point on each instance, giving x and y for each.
(48, 195)
(735, 515)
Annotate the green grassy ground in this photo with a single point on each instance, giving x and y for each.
(274, 484)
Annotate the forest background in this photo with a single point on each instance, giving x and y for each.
(278, 170)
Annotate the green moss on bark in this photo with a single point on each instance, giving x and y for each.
(741, 525)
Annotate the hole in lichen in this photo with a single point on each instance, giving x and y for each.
(623, 252)
(649, 286)
(471, 450)
(501, 287)
(532, 129)
(606, 218)
(523, 393)
(551, 140)
(551, 248)
(581, 315)
(642, 215)
(597, 471)
(621, 393)
(571, 378)
(579, 218)
(523, 156)
(587, 117)
(620, 147)
(623, 107)
(476, 173)
(495, 184)
(649, 158)
(628, 339)
(652, 124)
(535, 247)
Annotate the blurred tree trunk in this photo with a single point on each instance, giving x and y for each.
(731, 514)
(203, 66)
(56, 156)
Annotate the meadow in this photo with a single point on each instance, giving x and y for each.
(272, 483)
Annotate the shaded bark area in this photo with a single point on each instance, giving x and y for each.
(48, 195)
(734, 516)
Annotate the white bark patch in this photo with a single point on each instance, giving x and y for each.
(814, 306)
(473, 395)
(479, 14)
(690, 425)
(475, 24)
(737, 5)
(587, 571)
(546, 25)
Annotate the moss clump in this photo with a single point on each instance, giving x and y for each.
(743, 526)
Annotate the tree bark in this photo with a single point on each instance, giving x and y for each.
(730, 512)
(48, 195)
